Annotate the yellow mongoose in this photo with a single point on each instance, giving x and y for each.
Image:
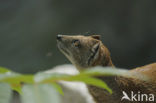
(88, 51)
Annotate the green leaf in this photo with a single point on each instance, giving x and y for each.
(58, 88)
(8, 75)
(53, 77)
(16, 80)
(41, 93)
(47, 77)
(4, 70)
(12, 78)
(17, 89)
(5, 93)
(91, 81)
(24, 78)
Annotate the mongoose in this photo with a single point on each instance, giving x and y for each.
(89, 51)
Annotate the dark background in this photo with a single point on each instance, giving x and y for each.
(28, 30)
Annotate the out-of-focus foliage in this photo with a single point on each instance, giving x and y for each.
(3, 70)
(43, 88)
(5, 93)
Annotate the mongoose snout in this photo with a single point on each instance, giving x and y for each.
(59, 37)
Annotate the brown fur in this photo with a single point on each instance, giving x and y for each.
(118, 84)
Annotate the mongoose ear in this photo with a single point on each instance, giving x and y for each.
(96, 47)
(95, 53)
(98, 37)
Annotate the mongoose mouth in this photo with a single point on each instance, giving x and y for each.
(64, 51)
(59, 37)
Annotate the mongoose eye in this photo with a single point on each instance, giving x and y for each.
(76, 43)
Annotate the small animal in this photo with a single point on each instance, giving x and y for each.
(88, 51)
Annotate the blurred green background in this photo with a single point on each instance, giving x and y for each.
(28, 30)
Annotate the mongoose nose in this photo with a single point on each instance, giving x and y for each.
(59, 37)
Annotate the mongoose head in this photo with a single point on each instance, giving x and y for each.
(82, 51)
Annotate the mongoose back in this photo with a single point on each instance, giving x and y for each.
(89, 51)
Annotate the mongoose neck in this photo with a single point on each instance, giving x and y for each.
(105, 97)
(104, 58)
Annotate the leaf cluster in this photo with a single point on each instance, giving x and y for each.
(43, 87)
